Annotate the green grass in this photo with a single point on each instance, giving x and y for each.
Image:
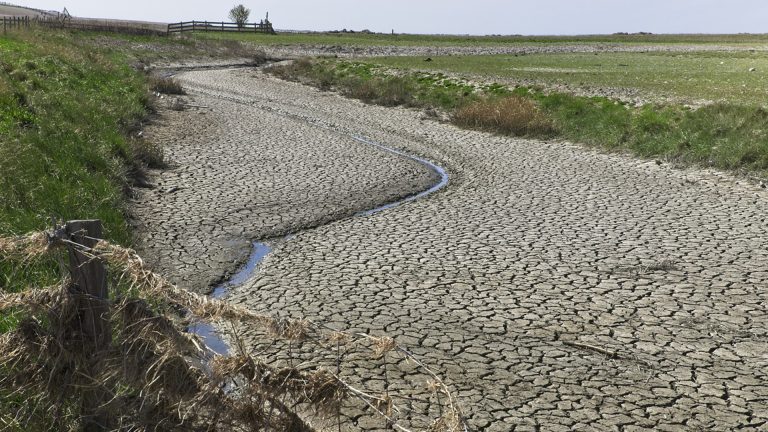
(724, 136)
(64, 115)
(364, 39)
(715, 76)
(369, 83)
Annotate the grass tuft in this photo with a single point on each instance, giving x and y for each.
(166, 85)
(511, 115)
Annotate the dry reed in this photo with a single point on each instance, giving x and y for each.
(513, 115)
(155, 376)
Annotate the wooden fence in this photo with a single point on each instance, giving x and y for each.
(102, 26)
(210, 26)
(133, 28)
(15, 22)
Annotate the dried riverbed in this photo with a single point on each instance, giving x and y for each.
(553, 287)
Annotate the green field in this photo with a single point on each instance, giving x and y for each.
(379, 39)
(689, 77)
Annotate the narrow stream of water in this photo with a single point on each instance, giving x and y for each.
(208, 332)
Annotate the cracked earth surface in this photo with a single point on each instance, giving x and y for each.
(553, 287)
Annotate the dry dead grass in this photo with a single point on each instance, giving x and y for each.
(155, 376)
(512, 115)
(25, 247)
(166, 85)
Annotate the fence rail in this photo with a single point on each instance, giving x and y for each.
(15, 22)
(136, 29)
(211, 26)
(109, 27)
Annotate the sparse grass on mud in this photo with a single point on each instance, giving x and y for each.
(723, 135)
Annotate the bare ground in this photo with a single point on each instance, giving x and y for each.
(554, 287)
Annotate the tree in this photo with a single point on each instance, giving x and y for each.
(239, 14)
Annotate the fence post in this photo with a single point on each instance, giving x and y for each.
(89, 285)
(89, 276)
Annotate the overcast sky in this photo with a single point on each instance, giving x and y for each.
(451, 16)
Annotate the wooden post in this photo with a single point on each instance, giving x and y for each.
(89, 286)
(89, 276)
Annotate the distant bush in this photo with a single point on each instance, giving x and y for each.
(514, 115)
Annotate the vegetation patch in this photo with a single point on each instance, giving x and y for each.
(511, 115)
(65, 151)
(166, 85)
(363, 38)
(723, 136)
(377, 85)
(736, 77)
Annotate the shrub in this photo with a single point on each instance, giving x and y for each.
(513, 115)
(293, 71)
(358, 88)
(149, 153)
(166, 86)
(394, 91)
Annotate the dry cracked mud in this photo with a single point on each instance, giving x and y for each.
(553, 287)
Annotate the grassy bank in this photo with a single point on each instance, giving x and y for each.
(724, 135)
(65, 152)
(69, 104)
(66, 115)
